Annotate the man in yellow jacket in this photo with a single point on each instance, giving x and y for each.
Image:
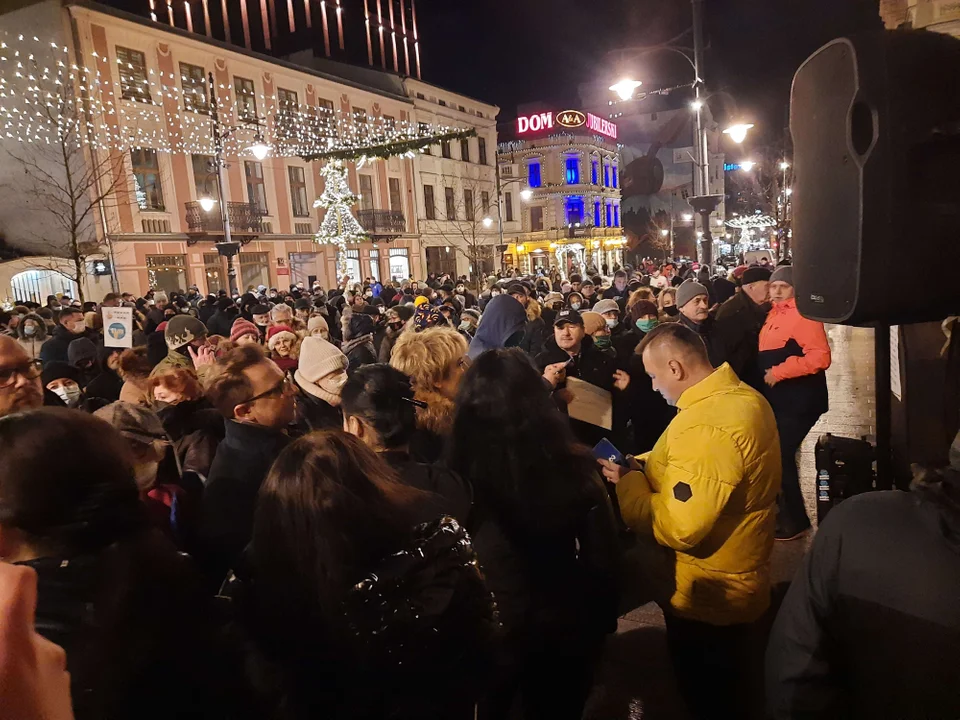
(707, 493)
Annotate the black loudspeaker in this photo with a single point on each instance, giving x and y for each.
(875, 121)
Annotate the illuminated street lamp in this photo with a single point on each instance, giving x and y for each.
(625, 88)
(738, 132)
(259, 148)
(526, 194)
(487, 222)
(687, 217)
(207, 203)
(664, 233)
(696, 105)
(784, 165)
(747, 165)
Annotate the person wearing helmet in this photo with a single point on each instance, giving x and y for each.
(186, 339)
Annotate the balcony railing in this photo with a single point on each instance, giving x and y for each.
(245, 219)
(382, 222)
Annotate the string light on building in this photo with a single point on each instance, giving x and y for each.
(339, 227)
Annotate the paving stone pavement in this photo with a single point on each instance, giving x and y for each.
(635, 678)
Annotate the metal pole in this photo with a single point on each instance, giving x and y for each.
(706, 243)
(882, 360)
(503, 255)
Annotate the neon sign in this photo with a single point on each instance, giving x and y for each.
(545, 121)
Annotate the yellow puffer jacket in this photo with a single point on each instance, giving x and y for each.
(708, 491)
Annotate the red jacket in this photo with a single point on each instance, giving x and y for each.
(785, 323)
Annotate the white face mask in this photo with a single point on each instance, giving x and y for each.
(70, 394)
(29, 330)
(612, 322)
(575, 306)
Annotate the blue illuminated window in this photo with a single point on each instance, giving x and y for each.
(616, 215)
(573, 171)
(533, 177)
(615, 178)
(606, 174)
(594, 172)
(596, 210)
(574, 210)
(609, 215)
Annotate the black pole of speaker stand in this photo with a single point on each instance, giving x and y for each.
(881, 349)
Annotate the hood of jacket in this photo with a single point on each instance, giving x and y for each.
(41, 329)
(437, 416)
(502, 318)
(357, 342)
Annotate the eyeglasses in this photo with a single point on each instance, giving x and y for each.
(30, 370)
(279, 389)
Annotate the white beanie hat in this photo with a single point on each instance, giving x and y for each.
(317, 322)
(318, 358)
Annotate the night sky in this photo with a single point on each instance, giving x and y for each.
(515, 51)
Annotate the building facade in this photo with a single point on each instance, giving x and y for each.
(936, 15)
(560, 193)
(151, 85)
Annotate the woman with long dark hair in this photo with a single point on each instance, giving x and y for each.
(379, 409)
(351, 610)
(111, 591)
(544, 532)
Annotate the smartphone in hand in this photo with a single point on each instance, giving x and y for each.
(606, 450)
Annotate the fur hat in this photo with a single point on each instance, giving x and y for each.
(241, 327)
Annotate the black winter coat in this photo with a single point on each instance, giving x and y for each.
(55, 349)
(648, 412)
(196, 430)
(314, 414)
(535, 335)
(706, 332)
(106, 386)
(736, 338)
(870, 627)
(452, 494)
(230, 495)
(221, 323)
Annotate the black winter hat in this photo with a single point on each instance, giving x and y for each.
(58, 370)
(753, 274)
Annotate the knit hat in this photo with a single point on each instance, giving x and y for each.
(420, 300)
(134, 422)
(318, 358)
(593, 322)
(58, 370)
(643, 307)
(81, 349)
(403, 312)
(241, 327)
(784, 273)
(553, 297)
(427, 316)
(688, 290)
(317, 322)
(302, 304)
(182, 330)
(471, 313)
(754, 274)
(605, 306)
(277, 333)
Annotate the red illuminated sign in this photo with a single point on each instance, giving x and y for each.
(545, 121)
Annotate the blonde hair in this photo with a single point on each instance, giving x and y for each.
(426, 356)
(643, 293)
(670, 290)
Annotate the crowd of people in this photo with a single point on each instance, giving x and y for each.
(376, 502)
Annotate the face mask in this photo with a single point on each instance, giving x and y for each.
(465, 326)
(647, 325)
(29, 330)
(574, 306)
(672, 310)
(70, 394)
(603, 342)
(78, 328)
(612, 322)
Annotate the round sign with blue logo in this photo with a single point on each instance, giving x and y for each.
(117, 331)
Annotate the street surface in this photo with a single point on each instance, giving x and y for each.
(635, 679)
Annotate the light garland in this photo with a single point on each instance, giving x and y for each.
(747, 222)
(339, 226)
(42, 100)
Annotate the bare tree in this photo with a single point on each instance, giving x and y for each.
(469, 224)
(70, 181)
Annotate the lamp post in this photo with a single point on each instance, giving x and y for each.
(525, 195)
(228, 247)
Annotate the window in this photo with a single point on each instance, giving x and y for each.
(482, 147)
(287, 105)
(536, 219)
(465, 149)
(606, 174)
(366, 192)
(246, 99)
(256, 190)
(167, 272)
(596, 213)
(396, 200)
(443, 102)
(451, 208)
(360, 120)
(609, 215)
(399, 264)
(615, 179)
(508, 206)
(533, 174)
(421, 96)
(298, 191)
(573, 170)
(429, 203)
(594, 168)
(205, 176)
(485, 202)
(445, 149)
(574, 205)
(254, 269)
(424, 129)
(326, 118)
(353, 265)
(468, 205)
(461, 108)
(133, 75)
(194, 82)
(616, 214)
(213, 270)
(146, 177)
(375, 264)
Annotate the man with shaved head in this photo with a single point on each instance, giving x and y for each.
(707, 494)
(20, 387)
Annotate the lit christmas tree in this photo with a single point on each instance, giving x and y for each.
(339, 226)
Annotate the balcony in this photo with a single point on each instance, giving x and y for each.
(382, 224)
(246, 221)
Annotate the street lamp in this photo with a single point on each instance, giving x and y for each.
(526, 194)
(207, 203)
(664, 233)
(784, 166)
(259, 148)
(487, 222)
(738, 132)
(747, 165)
(625, 88)
(687, 217)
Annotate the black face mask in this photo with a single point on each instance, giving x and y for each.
(672, 310)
